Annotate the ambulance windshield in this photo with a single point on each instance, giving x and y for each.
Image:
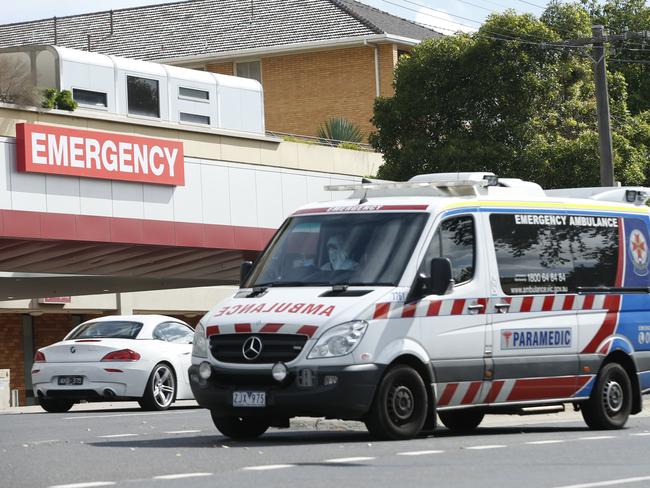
(351, 249)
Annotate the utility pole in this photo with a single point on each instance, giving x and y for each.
(597, 41)
(602, 108)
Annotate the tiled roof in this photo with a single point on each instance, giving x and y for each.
(210, 27)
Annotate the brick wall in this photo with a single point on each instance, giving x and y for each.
(221, 68)
(11, 351)
(302, 90)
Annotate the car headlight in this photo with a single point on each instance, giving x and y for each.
(340, 340)
(200, 343)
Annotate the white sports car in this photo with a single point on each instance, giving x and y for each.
(142, 357)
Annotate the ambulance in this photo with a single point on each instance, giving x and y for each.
(449, 296)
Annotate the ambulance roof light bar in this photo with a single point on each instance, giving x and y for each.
(456, 188)
(637, 195)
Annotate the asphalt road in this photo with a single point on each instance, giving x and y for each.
(126, 447)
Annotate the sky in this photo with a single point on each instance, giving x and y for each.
(447, 16)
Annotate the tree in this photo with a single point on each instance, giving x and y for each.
(507, 99)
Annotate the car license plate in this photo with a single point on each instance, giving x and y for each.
(71, 380)
(248, 399)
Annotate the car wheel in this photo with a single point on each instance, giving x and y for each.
(240, 428)
(610, 402)
(55, 405)
(399, 409)
(461, 421)
(160, 392)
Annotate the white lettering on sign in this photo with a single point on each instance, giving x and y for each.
(572, 220)
(74, 152)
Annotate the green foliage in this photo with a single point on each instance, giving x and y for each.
(49, 98)
(341, 130)
(62, 100)
(519, 109)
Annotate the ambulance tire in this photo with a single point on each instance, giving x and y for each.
(55, 405)
(610, 402)
(240, 428)
(461, 421)
(400, 408)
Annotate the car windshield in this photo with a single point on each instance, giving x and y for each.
(117, 329)
(350, 249)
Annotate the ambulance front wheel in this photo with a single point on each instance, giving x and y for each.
(610, 402)
(461, 421)
(399, 409)
(240, 428)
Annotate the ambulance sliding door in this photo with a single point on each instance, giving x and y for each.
(454, 329)
(532, 315)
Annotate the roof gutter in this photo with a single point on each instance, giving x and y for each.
(290, 48)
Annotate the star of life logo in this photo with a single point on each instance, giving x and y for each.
(638, 248)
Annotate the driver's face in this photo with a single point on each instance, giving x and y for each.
(335, 252)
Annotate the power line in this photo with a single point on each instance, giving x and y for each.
(533, 4)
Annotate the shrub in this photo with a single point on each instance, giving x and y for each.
(338, 129)
(58, 99)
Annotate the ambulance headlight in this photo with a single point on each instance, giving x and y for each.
(200, 343)
(339, 340)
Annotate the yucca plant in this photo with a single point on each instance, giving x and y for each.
(338, 129)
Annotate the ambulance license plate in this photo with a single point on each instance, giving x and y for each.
(71, 380)
(248, 399)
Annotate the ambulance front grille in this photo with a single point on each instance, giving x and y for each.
(229, 348)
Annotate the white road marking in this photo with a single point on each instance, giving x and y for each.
(114, 436)
(418, 453)
(85, 485)
(268, 467)
(550, 441)
(182, 432)
(181, 476)
(493, 446)
(621, 481)
(597, 437)
(81, 417)
(349, 460)
(49, 441)
(641, 433)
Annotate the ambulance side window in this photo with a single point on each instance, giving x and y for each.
(454, 239)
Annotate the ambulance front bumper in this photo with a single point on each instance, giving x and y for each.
(344, 392)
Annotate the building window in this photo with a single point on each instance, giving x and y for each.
(89, 98)
(194, 118)
(250, 69)
(193, 93)
(401, 53)
(143, 96)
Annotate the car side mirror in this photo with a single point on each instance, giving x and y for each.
(441, 280)
(244, 270)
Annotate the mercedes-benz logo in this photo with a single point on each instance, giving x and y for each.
(252, 348)
(73, 349)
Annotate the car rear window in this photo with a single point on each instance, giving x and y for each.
(117, 329)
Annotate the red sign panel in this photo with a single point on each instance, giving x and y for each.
(55, 300)
(94, 154)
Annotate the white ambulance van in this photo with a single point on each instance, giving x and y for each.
(450, 294)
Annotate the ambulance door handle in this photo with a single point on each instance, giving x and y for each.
(476, 307)
(502, 307)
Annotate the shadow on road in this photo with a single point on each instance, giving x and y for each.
(310, 437)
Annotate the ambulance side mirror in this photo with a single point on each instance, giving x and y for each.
(244, 270)
(441, 280)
